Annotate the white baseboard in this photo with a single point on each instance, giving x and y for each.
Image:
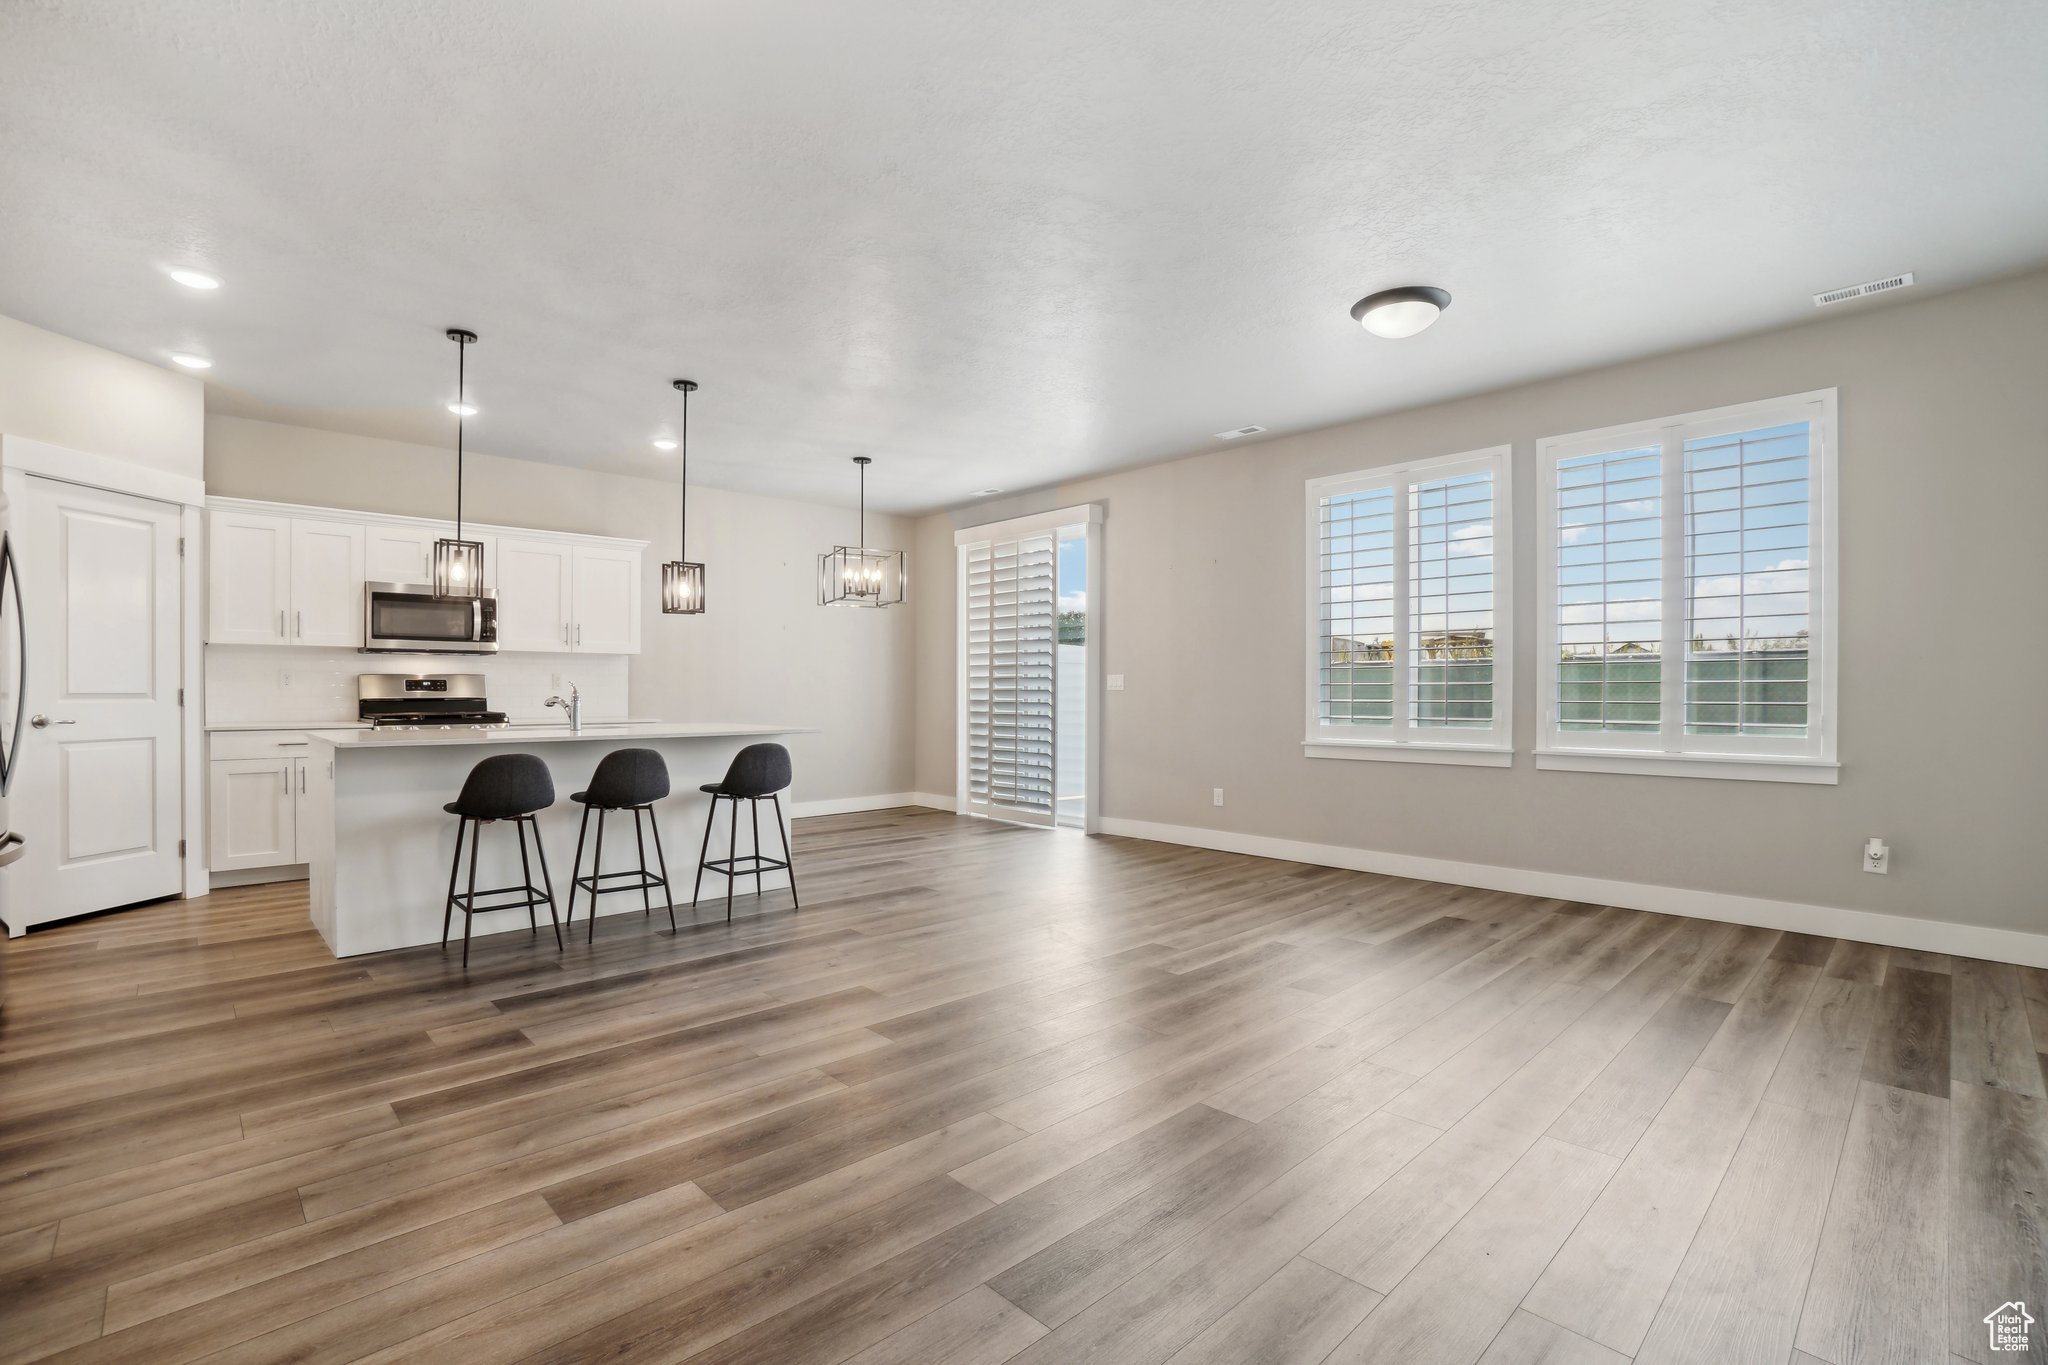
(931, 799)
(257, 876)
(1864, 926)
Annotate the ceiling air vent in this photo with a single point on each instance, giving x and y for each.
(1863, 291)
(1241, 431)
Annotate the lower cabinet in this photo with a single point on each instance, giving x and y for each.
(254, 810)
(260, 800)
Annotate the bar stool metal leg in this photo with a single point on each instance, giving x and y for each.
(668, 892)
(526, 876)
(540, 852)
(596, 867)
(754, 812)
(454, 868)
(710, 819)
(640, 842)
(783, 830)
(469, 916)
(732, 852)
(569, 916)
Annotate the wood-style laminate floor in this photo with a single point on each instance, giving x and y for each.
(1008, 1094)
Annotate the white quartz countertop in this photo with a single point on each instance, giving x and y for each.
(534, 734)
(314, 726)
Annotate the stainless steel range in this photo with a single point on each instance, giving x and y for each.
(425, 701)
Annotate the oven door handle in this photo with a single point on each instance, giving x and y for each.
(476, 619)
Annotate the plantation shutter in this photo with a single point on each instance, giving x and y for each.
(1011, 678)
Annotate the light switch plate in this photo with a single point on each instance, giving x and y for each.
(1116, 682)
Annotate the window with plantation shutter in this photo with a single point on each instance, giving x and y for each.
(1409, 598)
(1686, 581)
(1011, 677)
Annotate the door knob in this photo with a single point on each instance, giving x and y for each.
(42, 722)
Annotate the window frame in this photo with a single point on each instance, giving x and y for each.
(1670, 751)
(1403, 743)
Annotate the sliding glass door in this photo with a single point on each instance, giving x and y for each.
(1027, 669)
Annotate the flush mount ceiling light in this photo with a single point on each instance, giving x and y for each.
(856, 576)
(664, 443)
(1396, 313)
(195, 279)
(986, 492)
(191, 362)
(682, 583)
(459, 563)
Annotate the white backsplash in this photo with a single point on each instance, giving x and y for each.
(263, 685)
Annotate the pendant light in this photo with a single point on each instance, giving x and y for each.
(682, 583)
(854, 575)
(459, 563)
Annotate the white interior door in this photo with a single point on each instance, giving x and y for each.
(97, 798)
(533, 595)
(327, 583)
(1010, 678)
(605, 591)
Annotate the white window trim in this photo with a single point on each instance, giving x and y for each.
(1749, 758)
(1492, 749)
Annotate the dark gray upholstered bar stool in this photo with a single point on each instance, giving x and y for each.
(626, 779)
(759, 772)
(503, 787)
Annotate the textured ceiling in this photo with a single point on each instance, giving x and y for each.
(988, 244)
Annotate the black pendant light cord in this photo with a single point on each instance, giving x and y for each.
(461, 402)
(683, 533)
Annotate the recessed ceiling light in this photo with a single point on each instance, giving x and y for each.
(192, 362)
(462, 409)
(1402, 312)
(195, 279)
(1240, 432)
(986, 492)
(664, 443)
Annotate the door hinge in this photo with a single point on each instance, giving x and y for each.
(181, 848)
(181, 696)
(181, 547)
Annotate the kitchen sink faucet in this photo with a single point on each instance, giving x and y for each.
(574, 706)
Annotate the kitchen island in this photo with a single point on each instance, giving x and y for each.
(381, 845)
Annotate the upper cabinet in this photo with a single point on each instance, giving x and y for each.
(279, 575)
(535, 608)
(605, 592)
(248, 578)
(327, 583)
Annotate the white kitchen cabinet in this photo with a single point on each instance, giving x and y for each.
(248, 578)
(394, 553)
(284, 575)
(535, 608)
(605, 600)
(327, 583)
(253, 810)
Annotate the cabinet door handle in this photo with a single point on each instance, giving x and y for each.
(565, 634)
(280, 623)
(302, 779)
(579, 634)
(299, 619)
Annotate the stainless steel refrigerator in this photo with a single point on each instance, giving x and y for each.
(11, 677)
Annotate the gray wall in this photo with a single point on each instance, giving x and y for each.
(763, 651)
(1944, 567)
(80, 397)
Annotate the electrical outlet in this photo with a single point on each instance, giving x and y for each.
(1877, 857)
(555, 683)
(1116, 682)
(1217, 797)
(284, 677)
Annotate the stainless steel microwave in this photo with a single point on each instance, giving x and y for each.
(407, 618)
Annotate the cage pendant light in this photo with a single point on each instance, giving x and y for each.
(682, 582)
(459, 563)
(856, 576)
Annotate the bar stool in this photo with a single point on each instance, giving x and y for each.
(503, 787)
(758, 773)
(626, 779)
